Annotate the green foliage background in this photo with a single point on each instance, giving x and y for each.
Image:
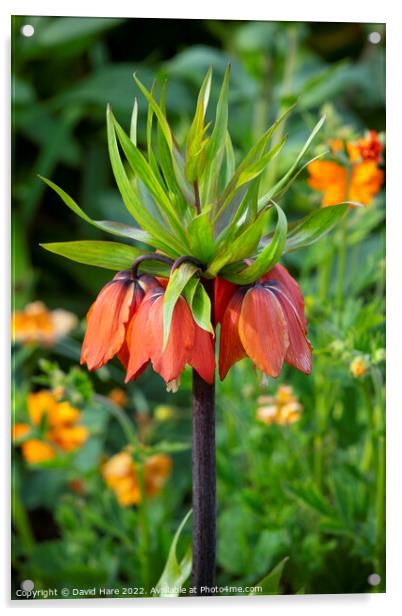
(313, 491)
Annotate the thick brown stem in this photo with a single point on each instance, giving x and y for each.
(204, 486)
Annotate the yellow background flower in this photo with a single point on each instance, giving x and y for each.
(62, 431)
(120, 474)
(38, 324)
(283, 408)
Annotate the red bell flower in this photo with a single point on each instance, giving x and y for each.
(265, 322)
(107, 318)
(187, 342)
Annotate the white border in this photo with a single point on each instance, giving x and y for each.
(307, 10)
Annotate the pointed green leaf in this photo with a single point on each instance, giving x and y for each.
(217, 139)
(241, 246)
(278, 195)
(256, 168)
(167, 165)
(131, 200)
(141, 167)
(268, 256)
(270, 583)
(175, 574)
(282, 182)
(116, 228)
(133, 123)
(314, 226)
(108, 255)
(177, 282)
(180, 173)
(215, 147)
(229, 159)
(157, 111)
(200, 304)
(253, 156)
(201, 235)
(196, 140)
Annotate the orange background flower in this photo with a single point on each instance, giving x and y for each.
(120, 474)
(359, 182)
(62, 430)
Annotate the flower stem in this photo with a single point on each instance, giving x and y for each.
(144, 531)
(379, 425)
(204, 486)
(340, 282)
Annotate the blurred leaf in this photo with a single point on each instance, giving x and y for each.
(110, 84)
(22, 91)
(310, 496)
(324, 85)
(175, 574)
(270, 583)
(192, 63)
(71, 34)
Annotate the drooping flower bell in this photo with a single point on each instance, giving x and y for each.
(107, 318)
(265, 322)
(187, 342)
(127, 320)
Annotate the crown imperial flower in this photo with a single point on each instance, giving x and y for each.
(266, 322)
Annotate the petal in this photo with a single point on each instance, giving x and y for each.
(170, 362)
(323, 173)
(366, 182)
(231, 348)
(105, 323)
(39, 404)
(263, 331)
(330, 178)
(203, 355)
(138, 296)
(35, 451)
(288, 285)
(299, 349)
(137, 355)
(223, 291)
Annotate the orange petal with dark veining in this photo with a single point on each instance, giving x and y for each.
(231, 348)
(263, 330)
(137, 354)
(288, 285)
(203, 355)
(170, 362)
(223, 291)
(106, 320)
(299, 349)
